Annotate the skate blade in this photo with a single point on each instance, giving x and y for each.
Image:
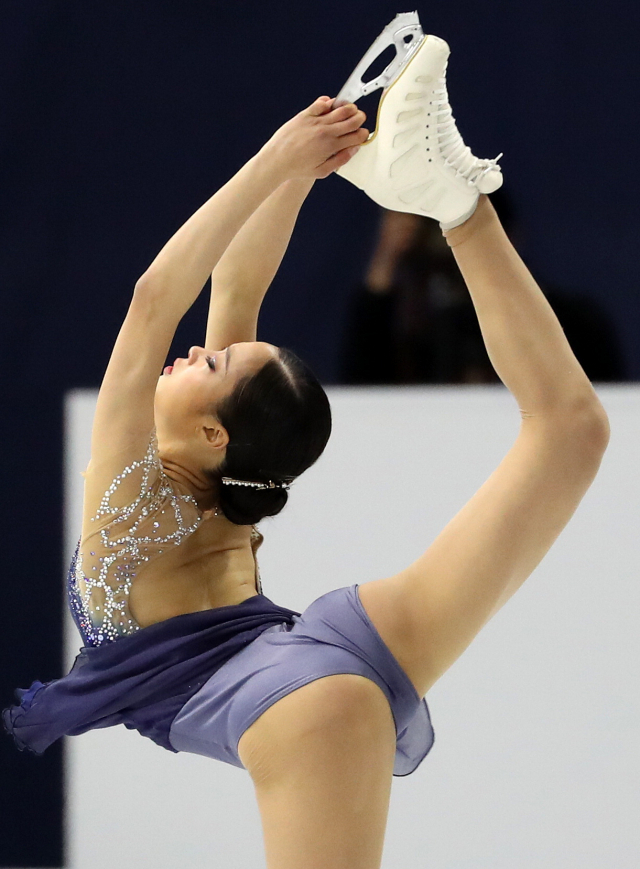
(406, 34)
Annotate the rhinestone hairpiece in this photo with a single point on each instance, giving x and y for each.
(229, 481)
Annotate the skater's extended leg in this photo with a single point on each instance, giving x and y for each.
(524, 340)
(418, 162)
(430, 612)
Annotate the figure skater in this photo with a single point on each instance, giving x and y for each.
(321, 708)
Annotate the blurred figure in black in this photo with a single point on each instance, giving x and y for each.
(412, 319)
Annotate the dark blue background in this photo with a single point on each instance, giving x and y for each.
(119, 119)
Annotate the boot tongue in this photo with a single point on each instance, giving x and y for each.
(464, 160)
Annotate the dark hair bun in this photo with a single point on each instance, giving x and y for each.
(246, 505)
(279, 422)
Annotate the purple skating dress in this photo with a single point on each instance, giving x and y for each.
(196, 682)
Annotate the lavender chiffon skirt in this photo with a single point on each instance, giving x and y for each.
(333, 635)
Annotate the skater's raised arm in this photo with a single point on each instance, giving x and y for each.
(243, 275)
(312, 144)
(245, 271)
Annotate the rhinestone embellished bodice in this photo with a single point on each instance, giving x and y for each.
(124, 535)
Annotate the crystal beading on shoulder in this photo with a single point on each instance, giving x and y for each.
(119, 553)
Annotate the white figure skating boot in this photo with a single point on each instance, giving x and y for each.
(415, 160)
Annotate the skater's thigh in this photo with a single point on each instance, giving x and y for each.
(321, 760)
(429, 613)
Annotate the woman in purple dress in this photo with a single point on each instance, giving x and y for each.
(322, 708)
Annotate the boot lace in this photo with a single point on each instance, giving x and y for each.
(452, 147)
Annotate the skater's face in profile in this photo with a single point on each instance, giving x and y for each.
(187, 395)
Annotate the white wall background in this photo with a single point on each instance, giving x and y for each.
(536, 761)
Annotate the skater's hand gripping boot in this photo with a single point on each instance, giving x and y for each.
(317, 141)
